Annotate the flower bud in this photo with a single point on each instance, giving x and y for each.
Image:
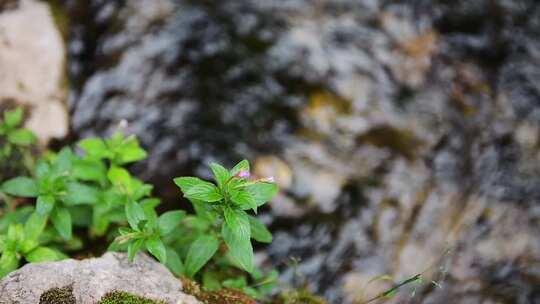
(243, 174)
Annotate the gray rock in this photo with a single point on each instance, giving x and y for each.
(93, 278)
(404, 124)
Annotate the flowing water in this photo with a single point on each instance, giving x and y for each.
(395, 128)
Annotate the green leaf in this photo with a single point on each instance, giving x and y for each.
(80, 215)
(81, 194)
(205, 192)
(15, 234)
(240, 249)
(130, 151)
(221, 175)
(134, 214)
(390, 293)
(125, 230)
(34, 226)
(21, 186)
(170, 220)
(8, 263)
(156, 247)
(18, 215)
(44, 204)
(238, 223)
(23, 137)
(211, 281)
(262, 192)
(42, 254)
(204, 211)
(133, 248)
(140, 189)
(13, 118)
(42, 169)
(237, 283)
(100, 223)
(174, 263)
(151, 217)
(241, 166)
(61, 219)
(187, 182)
(120, 176)
(95, 147)
(89, 170)
(200, 252)
(26, 246)
(150, 203)
(259, 232)
(63, 163)
(243, 199)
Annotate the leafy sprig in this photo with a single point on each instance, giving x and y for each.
(224, 206)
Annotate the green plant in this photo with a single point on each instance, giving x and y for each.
(25, 241)
(221, 209)
(14, 136)
(91, 189)
(17, 148)
(55, 190)
(101, 166)
(216, 240)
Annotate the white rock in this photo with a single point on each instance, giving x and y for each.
(32, 65)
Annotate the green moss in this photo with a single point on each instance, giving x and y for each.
(63, 295)
(120, 297)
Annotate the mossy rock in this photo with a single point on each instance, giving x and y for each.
(120, 297)
(62, 295)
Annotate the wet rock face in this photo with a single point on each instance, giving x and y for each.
(392, 128)
(184, 74)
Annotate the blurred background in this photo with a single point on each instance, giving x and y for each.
(397, 130)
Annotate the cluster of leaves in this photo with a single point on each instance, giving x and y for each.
(217, 236)
(91, 190)
(14, 135)
(15, 139)
(72, 190)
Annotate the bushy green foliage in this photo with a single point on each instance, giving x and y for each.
(221, 209)
(14, 135)
(91, 190)
(16, 145)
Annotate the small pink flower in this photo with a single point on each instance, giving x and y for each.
(243, 174)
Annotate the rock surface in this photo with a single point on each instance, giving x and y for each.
(399, 126)
(91, 279)
(32, 66)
